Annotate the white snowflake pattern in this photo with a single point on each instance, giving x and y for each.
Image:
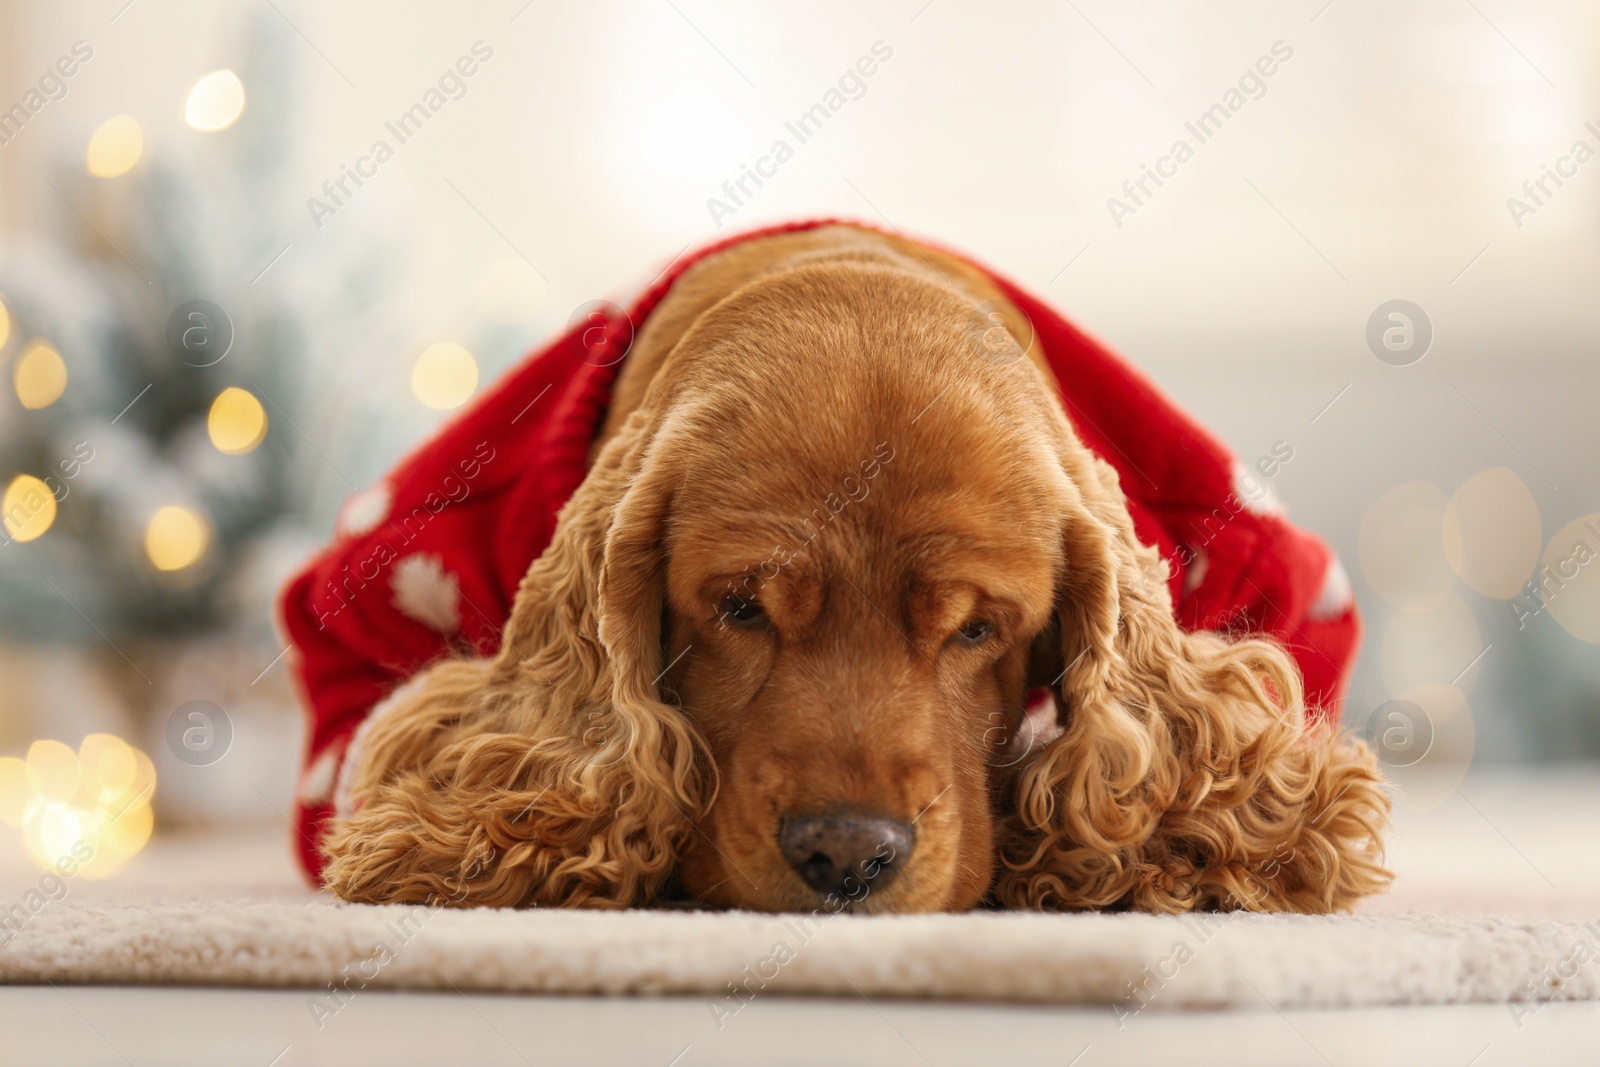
(426, 593)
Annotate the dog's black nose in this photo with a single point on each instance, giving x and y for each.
(849, 853)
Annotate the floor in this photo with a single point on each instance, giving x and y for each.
(173, 1027)
(1499, 842)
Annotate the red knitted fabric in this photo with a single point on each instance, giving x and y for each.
(428, 560)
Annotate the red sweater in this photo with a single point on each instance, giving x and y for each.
(427, 561)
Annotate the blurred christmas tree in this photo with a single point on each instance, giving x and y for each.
(162, 352)
(157, 358)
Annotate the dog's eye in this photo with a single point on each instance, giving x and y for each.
(741, 612)
(976, 632)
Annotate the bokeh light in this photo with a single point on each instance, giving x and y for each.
(5, 324)
(1401, 546)
(115, 147)
(1452, 738)
(237, 422)
(107, 766)
(85, 812)
(40, 375)
(53, 771)
(175, 538)
(29, 507)
(1436, 647)
(1492, 533)
(1569, 578)
(52, 829)
(510, 292)
(445, 376)
(214, 102)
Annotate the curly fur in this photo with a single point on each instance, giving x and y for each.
(1186, 777)
(552, 774)
(555, 774)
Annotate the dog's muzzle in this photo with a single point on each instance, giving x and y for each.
(850, 853)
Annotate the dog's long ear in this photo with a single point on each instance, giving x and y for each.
(1186, 776)
(553, 774)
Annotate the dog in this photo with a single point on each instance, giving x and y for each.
(836, 526)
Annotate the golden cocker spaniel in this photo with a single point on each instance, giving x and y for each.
(714, 682)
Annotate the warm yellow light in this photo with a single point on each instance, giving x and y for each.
(1492, 533)
(84, 812)
(40, 376)
(1401, 546)
(510, 292)
(237, 422)
(215, 101)
(144, 777)
(53, 771)
(445, 376)
(29, 507)
(175, 538)
(108, 766)
(121, 837)
(115, 147)
(1569, 578)
(5, 323)
(52, 829)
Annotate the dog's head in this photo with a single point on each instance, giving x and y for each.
(783, 642)
(858, 536)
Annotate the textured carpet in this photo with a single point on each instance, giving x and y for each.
(1496, 899)
(1139, 962)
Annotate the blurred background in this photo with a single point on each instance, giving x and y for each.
(1359, 233)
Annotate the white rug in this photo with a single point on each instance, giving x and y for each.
(1138, 962)
(1497, 898)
